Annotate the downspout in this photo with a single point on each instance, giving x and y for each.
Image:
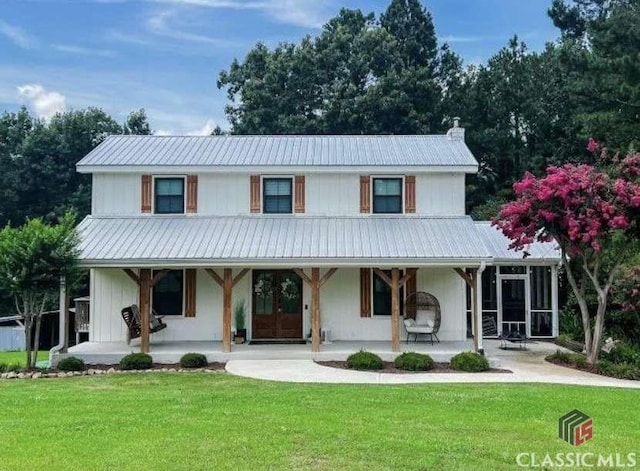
(62, 325)
(478, 295)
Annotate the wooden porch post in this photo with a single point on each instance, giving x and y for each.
(226, 313)
(315, 309)
(395, 309)
(145, 308)
(474, 307)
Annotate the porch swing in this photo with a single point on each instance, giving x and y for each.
(422, 316)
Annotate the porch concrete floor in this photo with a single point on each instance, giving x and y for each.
(170, 352)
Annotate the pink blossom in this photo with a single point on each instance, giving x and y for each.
(592, 145)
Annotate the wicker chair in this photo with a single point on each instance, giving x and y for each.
(422, 316)
(132, 318)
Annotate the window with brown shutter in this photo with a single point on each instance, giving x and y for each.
(365, 194)
(146, 193)
(299, 194)
(365, 292)
(410, 194)
(255, 193)
(192, 193)
(190, 293)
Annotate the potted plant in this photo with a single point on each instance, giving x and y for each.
(239, 315)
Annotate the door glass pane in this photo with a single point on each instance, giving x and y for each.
(263, 289)
(290, 293)
(541, 324)
(541, 288)
(513, 306)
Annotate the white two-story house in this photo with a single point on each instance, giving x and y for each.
(318, 235)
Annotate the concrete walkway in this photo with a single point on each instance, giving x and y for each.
(527, 366)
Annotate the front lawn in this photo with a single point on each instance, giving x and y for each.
(10, 358)
(218, 421)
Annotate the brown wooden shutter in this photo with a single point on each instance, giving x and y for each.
(255, 193)
(411, 286)
(410, 194)
(190, 293)
(192, 193)
(365, 292)
(146, 194)
(299, 194)
(365, 194)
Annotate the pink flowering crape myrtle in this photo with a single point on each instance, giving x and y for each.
(592, 215)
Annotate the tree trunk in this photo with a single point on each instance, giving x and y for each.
(36, 341)
(584, 309)
(27, 339)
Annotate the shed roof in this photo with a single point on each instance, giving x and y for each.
(223, 153)
(498, 244)
(279, 240)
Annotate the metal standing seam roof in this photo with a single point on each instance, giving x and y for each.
(278, 151)
(498, 245)
(249, 240)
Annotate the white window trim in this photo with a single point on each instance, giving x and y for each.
(402, 192)
(293, 194)
(184, 293)
(153, 193)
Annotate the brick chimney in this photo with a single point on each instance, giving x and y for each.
(456, 133)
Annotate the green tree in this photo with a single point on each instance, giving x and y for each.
(33, 258)
(137, 123)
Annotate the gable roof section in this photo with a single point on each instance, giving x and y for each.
(222, 153)
(278, 241)
(498, 244)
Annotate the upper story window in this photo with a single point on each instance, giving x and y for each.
(169, 195)
(277, 195)
(387, 195)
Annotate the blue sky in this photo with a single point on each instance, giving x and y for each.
(165, 55)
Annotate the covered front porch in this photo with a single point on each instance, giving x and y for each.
(170, 352)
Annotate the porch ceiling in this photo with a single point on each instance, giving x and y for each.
(273, 241)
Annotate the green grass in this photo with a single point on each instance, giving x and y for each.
(204, 421)
(20, 357)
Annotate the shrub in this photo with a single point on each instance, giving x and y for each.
(363, 360)
(193, 360)
(623, 352)
(619, 370)
(578, 359)
(71, 364)
(412, 361)
(469, 361)
(3, 367)
(15, 367)
(560, 357)
(136, 361)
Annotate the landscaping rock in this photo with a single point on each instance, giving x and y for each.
(62, 375)
(111, 371)
(36, 375)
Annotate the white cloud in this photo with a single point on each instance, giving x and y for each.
(17, 35)
(164, 24)
(205, 130)
(302, 13)
(45, 103)
(83, 51)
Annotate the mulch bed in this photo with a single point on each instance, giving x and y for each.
(158, 366)
(390, 368)
(587, 368)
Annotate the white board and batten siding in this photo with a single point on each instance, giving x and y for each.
(327, 194)
(112, 289)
